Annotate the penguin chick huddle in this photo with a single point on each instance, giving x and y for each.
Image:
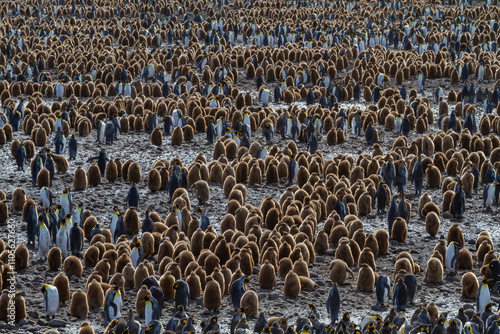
(343, 156)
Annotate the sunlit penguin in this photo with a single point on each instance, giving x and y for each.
(100, 131)
(151, 309)
(60, 90)
(211, 135)
(381, 79)
(77, 216)
(113, 304)
(438, 94)
(262, 152)
(382, 289)
(137, 254)
(46, 197)
(333, 303)
(62, 240)
(43, 241)
(451, 257)
(483, 297)
(489, 195)
(397, 123)
(356, 125)
(265, 97)
(50, 300)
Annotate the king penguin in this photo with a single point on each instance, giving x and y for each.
(483, 297)
(333, 303)
(400, 297)
(113, 304)
(451, 257)
(382, 289)
(151, 309)
(238, 288)
(50, 300)
(75, 239)
(43, 241)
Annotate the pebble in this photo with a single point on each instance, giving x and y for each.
(33, 314)
(272, 296)
(57, 323)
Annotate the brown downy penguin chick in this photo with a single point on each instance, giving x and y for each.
(432, 223)
(86, 328)
(433, 177)
(321, 243)
(141, 273)
(250, 302)
(20, 306)
(177, 136)
(399, 230)
(382, 237)
(43, 178)
(79, 306)
(111, 171)
(95, 295)
(434, 271)
(22, 256)
(307, 284)
(339, 271)
(61, 282)
(4, 304)
(267, 276)
(93, 175)
(202, 191)
(167, 286)
(441, 248)
(4, 210)
(154, 180)
(212, 295)
(194, 283)
(424, 199)
(470, 286)
(285, 265)
(465, 259)
(343, 252)
(292, 285)
(364, 204)
(131, 221)
(134, 173)
(490, 256)
(140, 306)
(366, 278)
(366, 256)
(433, 311)
(455, 234)
(18, 199)
(54, 258)
(91, 256)
(80, 179)
(73, 266)
(300, 267)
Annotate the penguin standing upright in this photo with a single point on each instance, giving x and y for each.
(50, 300)
(147, 224)
(268, 132)
(403, 209)
(20, 157)
(46, 197)
(66, 202)
(293, 169)
(113, 304)
(312, 144)
(370, 134)
(400, 297)
(451, 257)
(392, 214)
(43, 241)
(333, 303)
(458, 201)
(151, 309)
(489, 195)
(411, 286)
(238, 288)
(133, 196)
(483, 297)
(417, 176)
(382, 289)
(181, 294)
(75, 239)
(137, 254)
(401, 178)
(32, 225)
(62, 240)
(381, 197)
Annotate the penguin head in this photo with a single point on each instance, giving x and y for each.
(44, 288)
(146, 298)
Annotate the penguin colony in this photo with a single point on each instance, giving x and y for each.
(415, 85)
